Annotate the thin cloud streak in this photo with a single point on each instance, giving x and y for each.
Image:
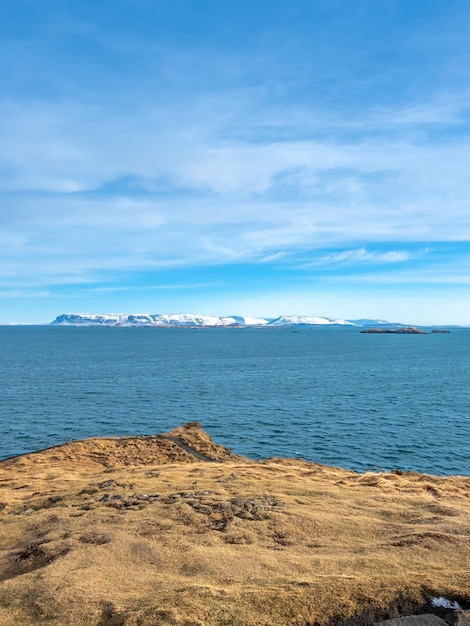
(150, 287)
(362, 255)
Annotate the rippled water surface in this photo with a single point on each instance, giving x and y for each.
(329, 395)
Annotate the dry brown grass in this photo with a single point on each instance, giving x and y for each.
(140, 532)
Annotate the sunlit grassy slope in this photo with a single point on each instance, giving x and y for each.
(174, 529)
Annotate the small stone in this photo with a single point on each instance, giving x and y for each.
(54, 499)
(131, 501)
(463, 618)
(108, 497)
(107, 484)
(88, 506)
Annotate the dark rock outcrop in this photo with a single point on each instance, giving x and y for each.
(414, 620)
(405, 330)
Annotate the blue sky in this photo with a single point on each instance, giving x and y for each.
(244, 157)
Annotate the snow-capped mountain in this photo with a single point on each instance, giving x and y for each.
(369, 322)
(305, 320)
(189, 320)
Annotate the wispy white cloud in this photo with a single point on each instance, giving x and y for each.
(442, 270)
(23, 294)
(362, 255)
(150, 287)
(276, 256)
(417, 278)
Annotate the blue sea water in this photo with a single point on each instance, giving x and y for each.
(324, 394)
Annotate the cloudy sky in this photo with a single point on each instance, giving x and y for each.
(250, 157)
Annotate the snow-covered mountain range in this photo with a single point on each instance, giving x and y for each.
(191, 320)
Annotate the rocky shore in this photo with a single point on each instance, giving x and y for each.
(403, 330)
(175, 529)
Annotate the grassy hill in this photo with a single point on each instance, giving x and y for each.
(175, 529)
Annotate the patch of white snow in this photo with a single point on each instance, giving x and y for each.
(444, 603)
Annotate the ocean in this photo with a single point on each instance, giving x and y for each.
(325, 394)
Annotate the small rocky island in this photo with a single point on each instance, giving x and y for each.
(404, 330)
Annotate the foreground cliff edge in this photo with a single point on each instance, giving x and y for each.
(175, 529)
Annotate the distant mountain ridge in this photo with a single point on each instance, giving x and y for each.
(191, 320)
